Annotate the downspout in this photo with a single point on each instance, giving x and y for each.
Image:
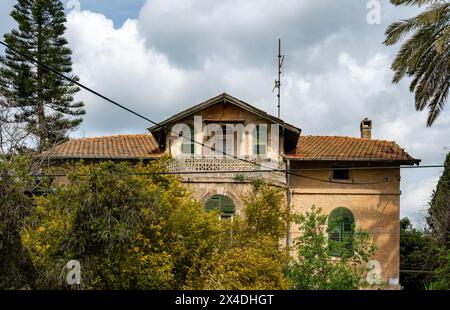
(288, 204)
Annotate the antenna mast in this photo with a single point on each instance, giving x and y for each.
(278, 82)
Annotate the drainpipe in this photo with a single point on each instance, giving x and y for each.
(288, 204)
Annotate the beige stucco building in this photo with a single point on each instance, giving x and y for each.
(357, 176)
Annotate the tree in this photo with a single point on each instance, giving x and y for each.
(438, 217)
(315, 267)
(424, 56)
(441, 275)
(13, 136)
(132, 229)
(128, 230)
(16, 269)
(416, 255)
(45, 100)
(251, 257)
(265, 212)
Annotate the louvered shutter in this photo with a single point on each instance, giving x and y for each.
(222, 203)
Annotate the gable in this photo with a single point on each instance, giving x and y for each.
(225, 108)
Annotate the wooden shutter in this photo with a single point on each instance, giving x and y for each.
(222, 203)
(340, 229)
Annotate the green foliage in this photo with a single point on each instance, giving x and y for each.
(127, 229)
(250, 264)
(239, 178)
(438, 217)
(132, 230)
(16, 269)
(265, 211)
(415, 253)
(441, 275)
(315, 267)
(251, 257)
(41, 99)
(424, 55)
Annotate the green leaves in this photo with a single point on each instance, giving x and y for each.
(15, 206)
(265, 211)
(132, 230)
(425, 55)
(316, 268)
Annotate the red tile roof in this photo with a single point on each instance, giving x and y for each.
(141, 146)
(349, 148)
(309, 148)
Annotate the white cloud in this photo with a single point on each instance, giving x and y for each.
(6, 21)
(178, 53)
(116, 63)
(415, 199)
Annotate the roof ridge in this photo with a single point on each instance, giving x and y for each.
(111, 136)
(348, 137)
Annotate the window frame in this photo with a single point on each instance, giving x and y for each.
(257, 145)
(223, 199)
(341, 168)
(336, 224)
(188, 143)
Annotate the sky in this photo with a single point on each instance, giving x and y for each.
(161, 56)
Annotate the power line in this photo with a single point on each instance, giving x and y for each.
(416, 271)
(37, 62)
(248, 171)
(370, 168)
(214, 172)
(266, 168)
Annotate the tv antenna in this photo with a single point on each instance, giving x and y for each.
(278, 82)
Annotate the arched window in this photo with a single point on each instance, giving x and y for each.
(341, 227)
(222, 203)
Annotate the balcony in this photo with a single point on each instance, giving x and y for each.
(229, 169)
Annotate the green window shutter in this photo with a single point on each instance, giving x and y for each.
(340, 229)
(259, 141)
(212, 204)
(187, 146)
(222, 203)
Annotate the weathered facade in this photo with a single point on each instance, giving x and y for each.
(358, 175)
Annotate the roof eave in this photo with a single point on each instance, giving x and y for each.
(215, 100)
(411, 161)
(81, 157)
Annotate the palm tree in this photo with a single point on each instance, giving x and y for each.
(425, 56)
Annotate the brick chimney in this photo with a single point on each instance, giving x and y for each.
(366, 128)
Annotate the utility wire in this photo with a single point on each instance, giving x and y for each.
(37, 62)
(249, 171)
(266, 168)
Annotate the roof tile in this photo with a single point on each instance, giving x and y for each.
(111, 147)
(348, 148)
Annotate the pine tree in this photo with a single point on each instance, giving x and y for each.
(44, 101)
(438, 217)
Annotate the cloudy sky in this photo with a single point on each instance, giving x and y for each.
(161, 56)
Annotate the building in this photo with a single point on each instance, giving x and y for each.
(222, 143)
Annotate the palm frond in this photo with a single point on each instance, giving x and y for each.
(425, 55)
